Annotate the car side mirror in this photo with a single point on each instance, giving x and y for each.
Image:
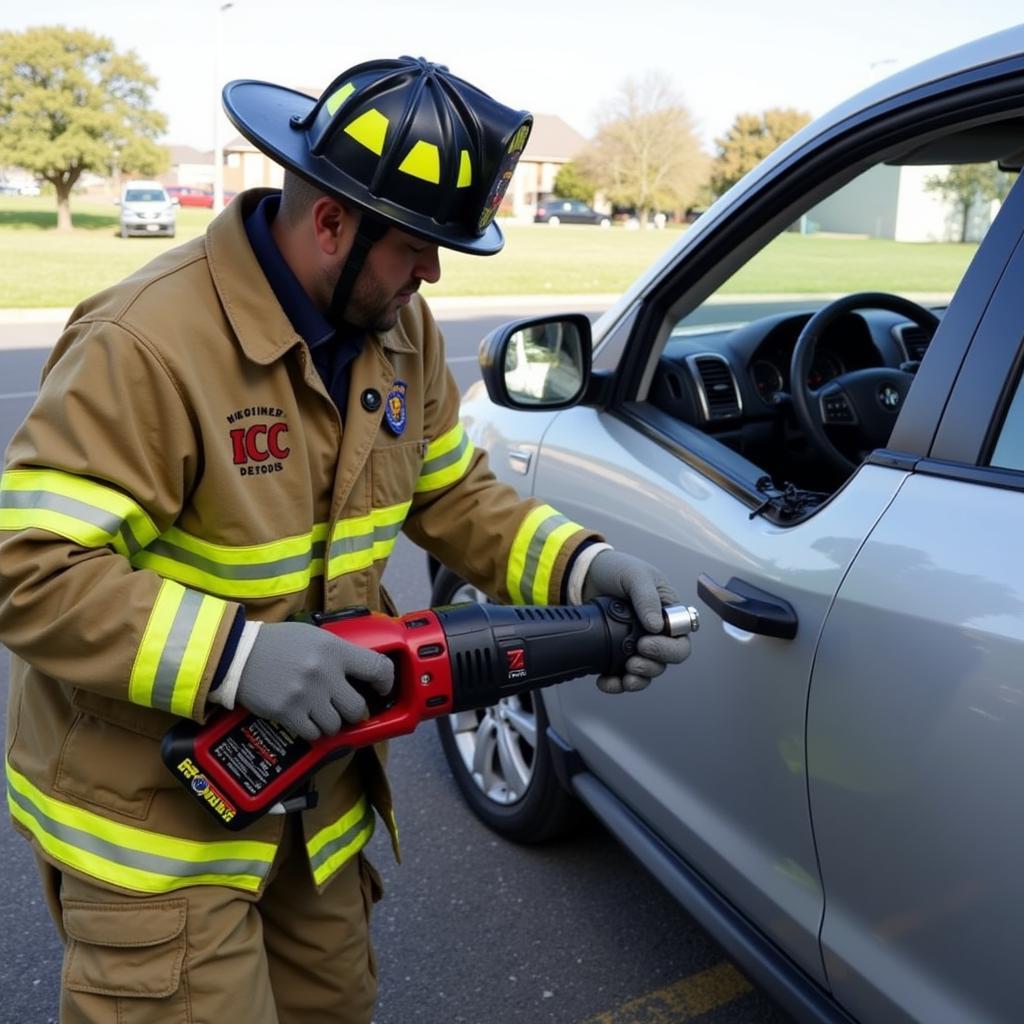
(540, 363)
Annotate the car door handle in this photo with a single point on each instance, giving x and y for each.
(746, 606)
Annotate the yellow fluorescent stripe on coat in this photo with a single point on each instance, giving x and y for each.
(355, 543)
(520, 549)
(197, 655)
(105, 503)
(546, 562)
(237, 571)
(445, 443)
(232, 589)
(154, 639)
(535, 549)
(339, 842)
(128, 841)
(175, 649)
(438, 471)
(246, 554)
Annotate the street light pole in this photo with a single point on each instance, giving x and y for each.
(218, 119)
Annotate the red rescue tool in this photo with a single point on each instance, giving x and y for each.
(239, 766)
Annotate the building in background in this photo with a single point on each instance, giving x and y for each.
(893, 202)
(189, 166)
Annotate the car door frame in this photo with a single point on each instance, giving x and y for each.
(990, 92)
(637, 333)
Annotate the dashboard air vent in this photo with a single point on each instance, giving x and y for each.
(720, 398)
(914, 340)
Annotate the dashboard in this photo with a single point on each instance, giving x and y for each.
(719, 377)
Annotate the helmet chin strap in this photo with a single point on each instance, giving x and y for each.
(371, 229)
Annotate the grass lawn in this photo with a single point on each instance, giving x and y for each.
(39, 268)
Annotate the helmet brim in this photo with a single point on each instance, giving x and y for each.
(265, 113)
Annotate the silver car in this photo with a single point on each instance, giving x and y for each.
(832, 783)
(146, 209)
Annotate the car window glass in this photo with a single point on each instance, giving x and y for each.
(903, 229)
(144, 195)
(1009, 449)
(726, 366)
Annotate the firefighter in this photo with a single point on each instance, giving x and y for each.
(233, 435)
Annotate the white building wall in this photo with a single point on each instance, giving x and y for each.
(924, 216)
(865, 206)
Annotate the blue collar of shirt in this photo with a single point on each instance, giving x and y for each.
(300, 309)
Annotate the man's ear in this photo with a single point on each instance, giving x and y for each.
(334, 225)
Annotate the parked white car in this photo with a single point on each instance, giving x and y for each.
(146, 209)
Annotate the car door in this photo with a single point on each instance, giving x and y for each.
(713, 756)
(916, 716)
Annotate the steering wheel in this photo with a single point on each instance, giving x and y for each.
(866, 401)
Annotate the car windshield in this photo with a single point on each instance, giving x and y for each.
(145, 195)
(906, 229)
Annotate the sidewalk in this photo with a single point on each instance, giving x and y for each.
(449, 307)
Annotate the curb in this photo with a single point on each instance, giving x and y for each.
(448, 306)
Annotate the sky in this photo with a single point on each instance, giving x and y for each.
(568, 58)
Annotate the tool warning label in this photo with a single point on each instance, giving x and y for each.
(257, 751)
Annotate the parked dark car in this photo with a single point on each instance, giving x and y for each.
(568, 211)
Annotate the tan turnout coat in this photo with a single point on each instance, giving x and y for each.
(184, 459)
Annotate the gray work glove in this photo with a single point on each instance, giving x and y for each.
(298, 675)
(614, 574)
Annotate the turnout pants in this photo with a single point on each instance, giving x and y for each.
(208, 954)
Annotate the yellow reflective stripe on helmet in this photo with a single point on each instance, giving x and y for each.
(465, 170)
(359, 541)
(175, 649)
(131, 857)
(519, 139)
(338, 97)
(335, 845)
(239, 571)
(74, 507)
(370, 129)
(446, 461)
(423, 161)
(535, 549)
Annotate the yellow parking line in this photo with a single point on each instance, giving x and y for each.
(682, 1000)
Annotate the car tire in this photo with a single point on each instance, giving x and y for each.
(544, 810)
(554, 221)
(124, 231)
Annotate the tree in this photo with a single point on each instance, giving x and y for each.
(646, 154)
(70, 103)
(572, 182)
(750, 139)
(967, 184)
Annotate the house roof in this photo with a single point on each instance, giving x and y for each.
(553, 139)
(189, 155)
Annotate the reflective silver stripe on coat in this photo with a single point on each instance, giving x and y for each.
(364, 541)
(173, 654)
(153, 862)
(536, 548)
(328, 850)
(103, 520)
(229, 571)
(447, 459)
